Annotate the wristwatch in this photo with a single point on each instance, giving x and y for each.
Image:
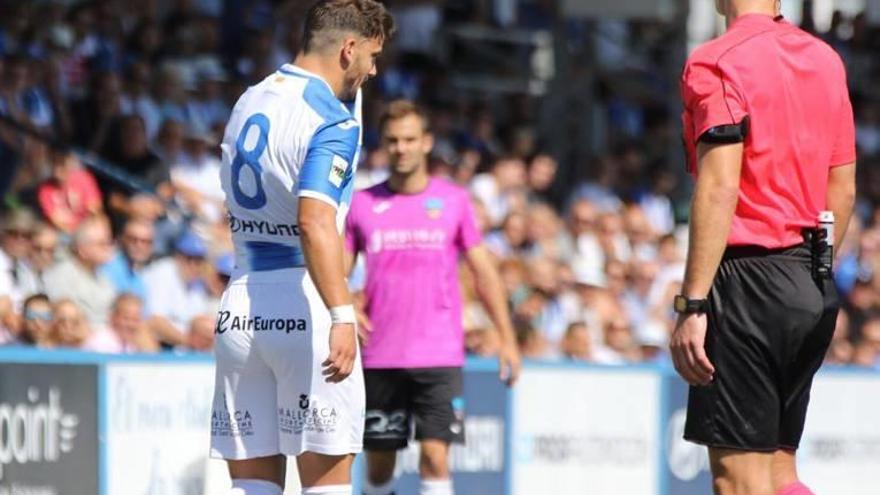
(686, 306)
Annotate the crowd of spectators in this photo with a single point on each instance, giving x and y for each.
(590, 258)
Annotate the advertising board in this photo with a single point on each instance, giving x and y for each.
(48, 429)
(586, 431)
(158, 426)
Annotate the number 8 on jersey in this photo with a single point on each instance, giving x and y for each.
(250, 158)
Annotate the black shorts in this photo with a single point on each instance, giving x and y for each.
(429, 397)
(770, 323)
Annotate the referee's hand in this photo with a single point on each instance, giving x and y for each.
(343, 350)
(688, 353)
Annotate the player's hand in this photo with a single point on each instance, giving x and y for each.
(364, 326)
(688, 351)
(509, 364)
(343, 350)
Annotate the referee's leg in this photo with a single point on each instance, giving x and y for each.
(769, 327)
(739, 472)
(746, 473)
(785, 478)
(805, 361)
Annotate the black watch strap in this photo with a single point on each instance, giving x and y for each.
(686, 306)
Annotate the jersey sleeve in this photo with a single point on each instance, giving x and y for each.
(843, 151)
(468, 234)
(711, 98)
(328, 166)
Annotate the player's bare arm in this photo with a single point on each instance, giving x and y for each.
(364, 327)
(714, 203)
(322, 247)
(841, 197)
(494, 298)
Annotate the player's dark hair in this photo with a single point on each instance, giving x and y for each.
(399, 109)
(367, 18)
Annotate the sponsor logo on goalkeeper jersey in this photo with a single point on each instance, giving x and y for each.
(405, 239)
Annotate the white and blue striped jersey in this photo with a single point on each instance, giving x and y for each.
(288, 137)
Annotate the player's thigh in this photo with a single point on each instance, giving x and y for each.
(314, 415)
(323, 418)
(387, 420)
(437, 402)
(243, 417)
(319, 469)
(271, 468)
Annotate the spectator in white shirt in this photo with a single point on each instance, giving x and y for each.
(501, 190)
(176, 291)
(196, 177)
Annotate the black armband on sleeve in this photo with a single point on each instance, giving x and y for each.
(727, 134)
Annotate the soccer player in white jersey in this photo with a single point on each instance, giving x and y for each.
(289, 380)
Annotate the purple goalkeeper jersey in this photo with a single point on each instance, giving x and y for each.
(412, 244)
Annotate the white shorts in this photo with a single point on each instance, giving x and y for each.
(270, 397)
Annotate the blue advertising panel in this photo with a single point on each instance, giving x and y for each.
(685, 466)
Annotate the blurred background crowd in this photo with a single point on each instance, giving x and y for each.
(565, 131)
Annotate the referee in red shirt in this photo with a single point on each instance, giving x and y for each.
(770, 136)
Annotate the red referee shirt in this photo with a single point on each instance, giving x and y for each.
(792, 87)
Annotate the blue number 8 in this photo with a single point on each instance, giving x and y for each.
(251, 158)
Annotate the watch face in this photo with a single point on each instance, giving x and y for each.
(679, 304)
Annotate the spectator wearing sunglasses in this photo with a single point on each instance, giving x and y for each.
(125, 270)
(41, 257)
(36, 328)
